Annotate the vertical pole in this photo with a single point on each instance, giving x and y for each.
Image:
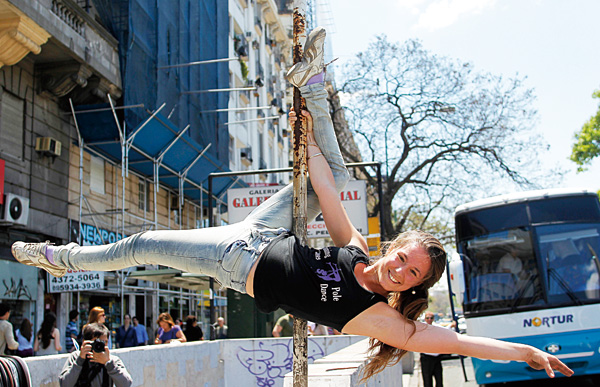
(300, 368)
(211, 281)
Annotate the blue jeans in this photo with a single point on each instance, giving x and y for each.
(225, 253)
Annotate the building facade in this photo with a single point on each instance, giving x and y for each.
(112, 114)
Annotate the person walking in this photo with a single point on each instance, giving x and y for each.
(140, 330)
(431, 363)
(284, 327)
(220, 329)
(192, 331)
(338, 286)
(25, 338)
(7, 338)
(126, 334)
(71, 331)
(47, 340)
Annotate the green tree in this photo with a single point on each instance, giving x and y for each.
(587, 141)
(441, 129)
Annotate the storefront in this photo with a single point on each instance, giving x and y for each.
(19, 284)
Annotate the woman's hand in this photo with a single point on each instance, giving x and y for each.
(540, 360)
(310, 137)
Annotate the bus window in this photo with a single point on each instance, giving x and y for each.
(503, 271)
(570, 257)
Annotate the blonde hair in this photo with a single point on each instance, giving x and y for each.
(410, 303)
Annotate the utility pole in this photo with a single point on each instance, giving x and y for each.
(300, 369)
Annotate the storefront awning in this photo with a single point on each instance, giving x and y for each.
(173, 277)
(156, 145)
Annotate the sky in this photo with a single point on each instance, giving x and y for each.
(554, 43)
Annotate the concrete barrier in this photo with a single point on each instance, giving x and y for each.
(220, 363)
(344, 369)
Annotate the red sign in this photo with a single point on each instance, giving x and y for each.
(2, 181)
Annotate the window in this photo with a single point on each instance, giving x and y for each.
(97, 175)
(143, 196)
(11, 125)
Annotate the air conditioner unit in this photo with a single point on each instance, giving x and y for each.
(48, 146)
(16, 209)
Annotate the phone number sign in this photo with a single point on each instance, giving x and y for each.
(75, 281)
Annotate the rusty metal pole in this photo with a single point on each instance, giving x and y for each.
(300, 369)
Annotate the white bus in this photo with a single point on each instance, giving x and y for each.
(527, 271)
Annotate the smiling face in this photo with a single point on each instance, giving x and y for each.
(403, 268)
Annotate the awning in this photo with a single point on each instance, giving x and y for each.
(173, 277)
(156, 145)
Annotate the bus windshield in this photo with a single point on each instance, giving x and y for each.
(532, 267)
(569, 256)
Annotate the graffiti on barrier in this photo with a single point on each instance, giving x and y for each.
(273, 360)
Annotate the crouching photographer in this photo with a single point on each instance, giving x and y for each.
(93, 365)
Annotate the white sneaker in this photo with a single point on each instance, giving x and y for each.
(312, 59)
(34, 254)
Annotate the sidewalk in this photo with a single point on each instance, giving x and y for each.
(453, 374)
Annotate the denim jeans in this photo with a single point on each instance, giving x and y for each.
(225, 253)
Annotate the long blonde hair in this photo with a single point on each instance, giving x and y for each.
(410, 303)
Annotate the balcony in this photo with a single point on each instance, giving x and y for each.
(73, 53)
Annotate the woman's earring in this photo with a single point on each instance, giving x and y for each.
(414, 291)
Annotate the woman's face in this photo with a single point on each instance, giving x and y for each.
(403, 268)
(165, 326)
(102, 317)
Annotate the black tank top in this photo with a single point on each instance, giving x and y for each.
(315, 284)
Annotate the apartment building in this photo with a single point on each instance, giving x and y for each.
(112, 115)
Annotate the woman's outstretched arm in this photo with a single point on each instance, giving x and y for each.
(338, 224)
(387, 325)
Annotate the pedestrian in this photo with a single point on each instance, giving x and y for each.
(126, 334)
(140, 330)
(25, 339)
(169, 332)
(94, 365)
(71, 331)
(338, 286)
(47, 340)
(284, 327)
(98, 315)
(316, 329)
(7, 338)
(431, 363)
(220, 329)
(192, 331)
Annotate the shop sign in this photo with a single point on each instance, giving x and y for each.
(76, 281)
(91, 235)
(242, 201)
(17, 281)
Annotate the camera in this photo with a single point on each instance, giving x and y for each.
(98, 345)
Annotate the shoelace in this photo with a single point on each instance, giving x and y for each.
(35, 248)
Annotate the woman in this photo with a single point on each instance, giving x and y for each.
(25, 339)
(192, 330)
(97, 315)
(335, 286)
(48, 336)
(169, 331)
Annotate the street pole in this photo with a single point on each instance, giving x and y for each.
(300, 368)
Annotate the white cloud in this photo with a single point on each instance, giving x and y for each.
(437, 14)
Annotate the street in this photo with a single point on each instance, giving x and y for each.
(453, 377)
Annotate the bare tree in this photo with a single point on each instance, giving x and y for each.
(440, 129)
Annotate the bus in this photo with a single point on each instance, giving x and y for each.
(526, 270)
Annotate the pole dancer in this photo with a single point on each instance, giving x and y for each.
(337, 286)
